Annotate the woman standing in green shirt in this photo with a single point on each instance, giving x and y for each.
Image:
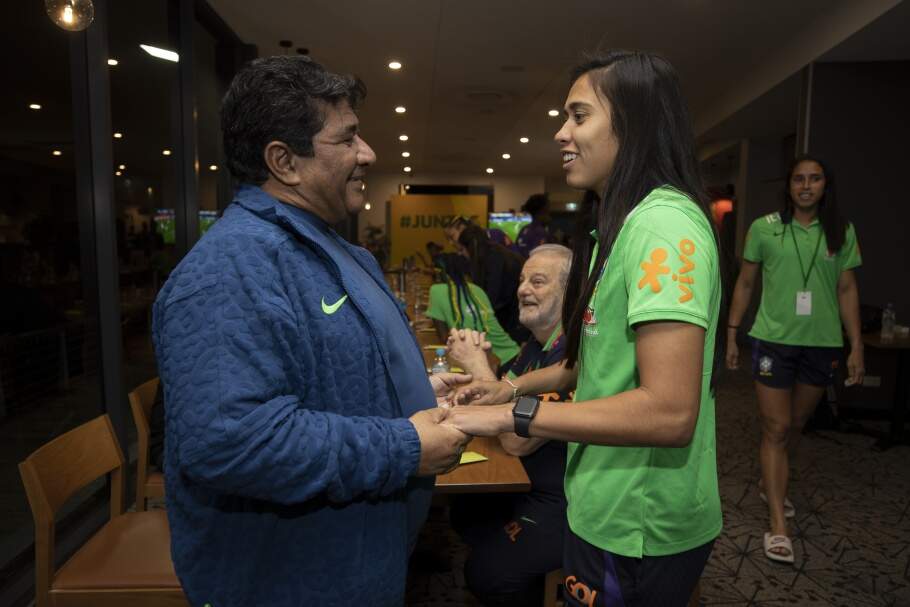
(457, 303)
(806, 254)
(640, 316)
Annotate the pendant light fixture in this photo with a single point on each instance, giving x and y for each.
(71, 15)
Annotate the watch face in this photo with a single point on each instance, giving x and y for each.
(526, 406)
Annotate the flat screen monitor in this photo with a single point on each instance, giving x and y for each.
(165, 225)
(510, 223)
(206, 220)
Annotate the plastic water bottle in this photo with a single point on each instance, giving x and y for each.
(888, 320)
(440, 364)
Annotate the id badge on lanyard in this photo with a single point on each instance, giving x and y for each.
(804, 303)
(804, 297)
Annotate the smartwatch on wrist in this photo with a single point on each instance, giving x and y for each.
(523, 412)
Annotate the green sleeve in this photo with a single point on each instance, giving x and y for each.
(670, 269)
(439, 307)
(849, 256)
(752, 248)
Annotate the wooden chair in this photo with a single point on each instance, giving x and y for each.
(551, 586)
(147, 485)
(128, 561)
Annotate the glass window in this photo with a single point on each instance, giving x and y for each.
(49, 380)
(211, 84)
(145, 171)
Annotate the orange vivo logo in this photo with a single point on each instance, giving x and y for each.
(580, 591)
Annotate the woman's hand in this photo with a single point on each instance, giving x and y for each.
(481, 421)
(856, 367)
(732, 357)
(483, 393)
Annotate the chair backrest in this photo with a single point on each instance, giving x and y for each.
(142, 399)
(59, 469)
(56, 471)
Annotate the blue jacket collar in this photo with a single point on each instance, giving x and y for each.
(256, 200)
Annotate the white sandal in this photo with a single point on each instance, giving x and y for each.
(778, 542)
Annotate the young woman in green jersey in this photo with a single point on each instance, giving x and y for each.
(458, 303)
(806, 253)
(640, 317)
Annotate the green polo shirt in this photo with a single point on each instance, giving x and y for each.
(770, 242)
(652, 501)
(440, 308)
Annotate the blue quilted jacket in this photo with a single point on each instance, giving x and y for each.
(288, 454)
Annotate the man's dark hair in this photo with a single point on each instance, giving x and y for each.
(535, 204)
(279, 99)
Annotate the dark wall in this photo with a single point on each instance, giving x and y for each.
(860, 125)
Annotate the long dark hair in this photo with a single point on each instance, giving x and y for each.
(834, 225)
(475, 240)
(453, 270)
(656, 148)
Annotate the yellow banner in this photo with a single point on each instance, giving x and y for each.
(415, 220)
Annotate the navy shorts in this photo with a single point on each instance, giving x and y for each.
(597, 578)
(781, 366)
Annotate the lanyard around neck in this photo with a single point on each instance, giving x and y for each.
(806, 274)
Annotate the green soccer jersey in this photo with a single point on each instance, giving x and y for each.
(440, 308)
(652, 501)
(789, 255)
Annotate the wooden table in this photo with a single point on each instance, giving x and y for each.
(899, 347)
(501, 473)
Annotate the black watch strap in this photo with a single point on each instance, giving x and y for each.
(523, 413)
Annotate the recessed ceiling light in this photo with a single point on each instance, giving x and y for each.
(395, 65)
(368, 206)
(166, 152)
(213, 167)
(34, 106)
(405, 154)
(118, 173)
(524, 140)
(57, 153)
(122, 167)
(506, 156)
(553, 113)
(112, 62)
(118, 135)
(160, 53)
(490, 170)
(407, 169)
(402, 138)
(401, 109)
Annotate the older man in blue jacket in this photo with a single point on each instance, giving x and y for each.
(302, 433)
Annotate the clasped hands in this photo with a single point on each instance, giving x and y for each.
(445, 431)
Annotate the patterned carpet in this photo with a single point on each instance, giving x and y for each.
(851, 534)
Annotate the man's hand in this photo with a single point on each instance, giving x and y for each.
(445, 383)
(441, 445)
(483, 393)
(469, 347)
